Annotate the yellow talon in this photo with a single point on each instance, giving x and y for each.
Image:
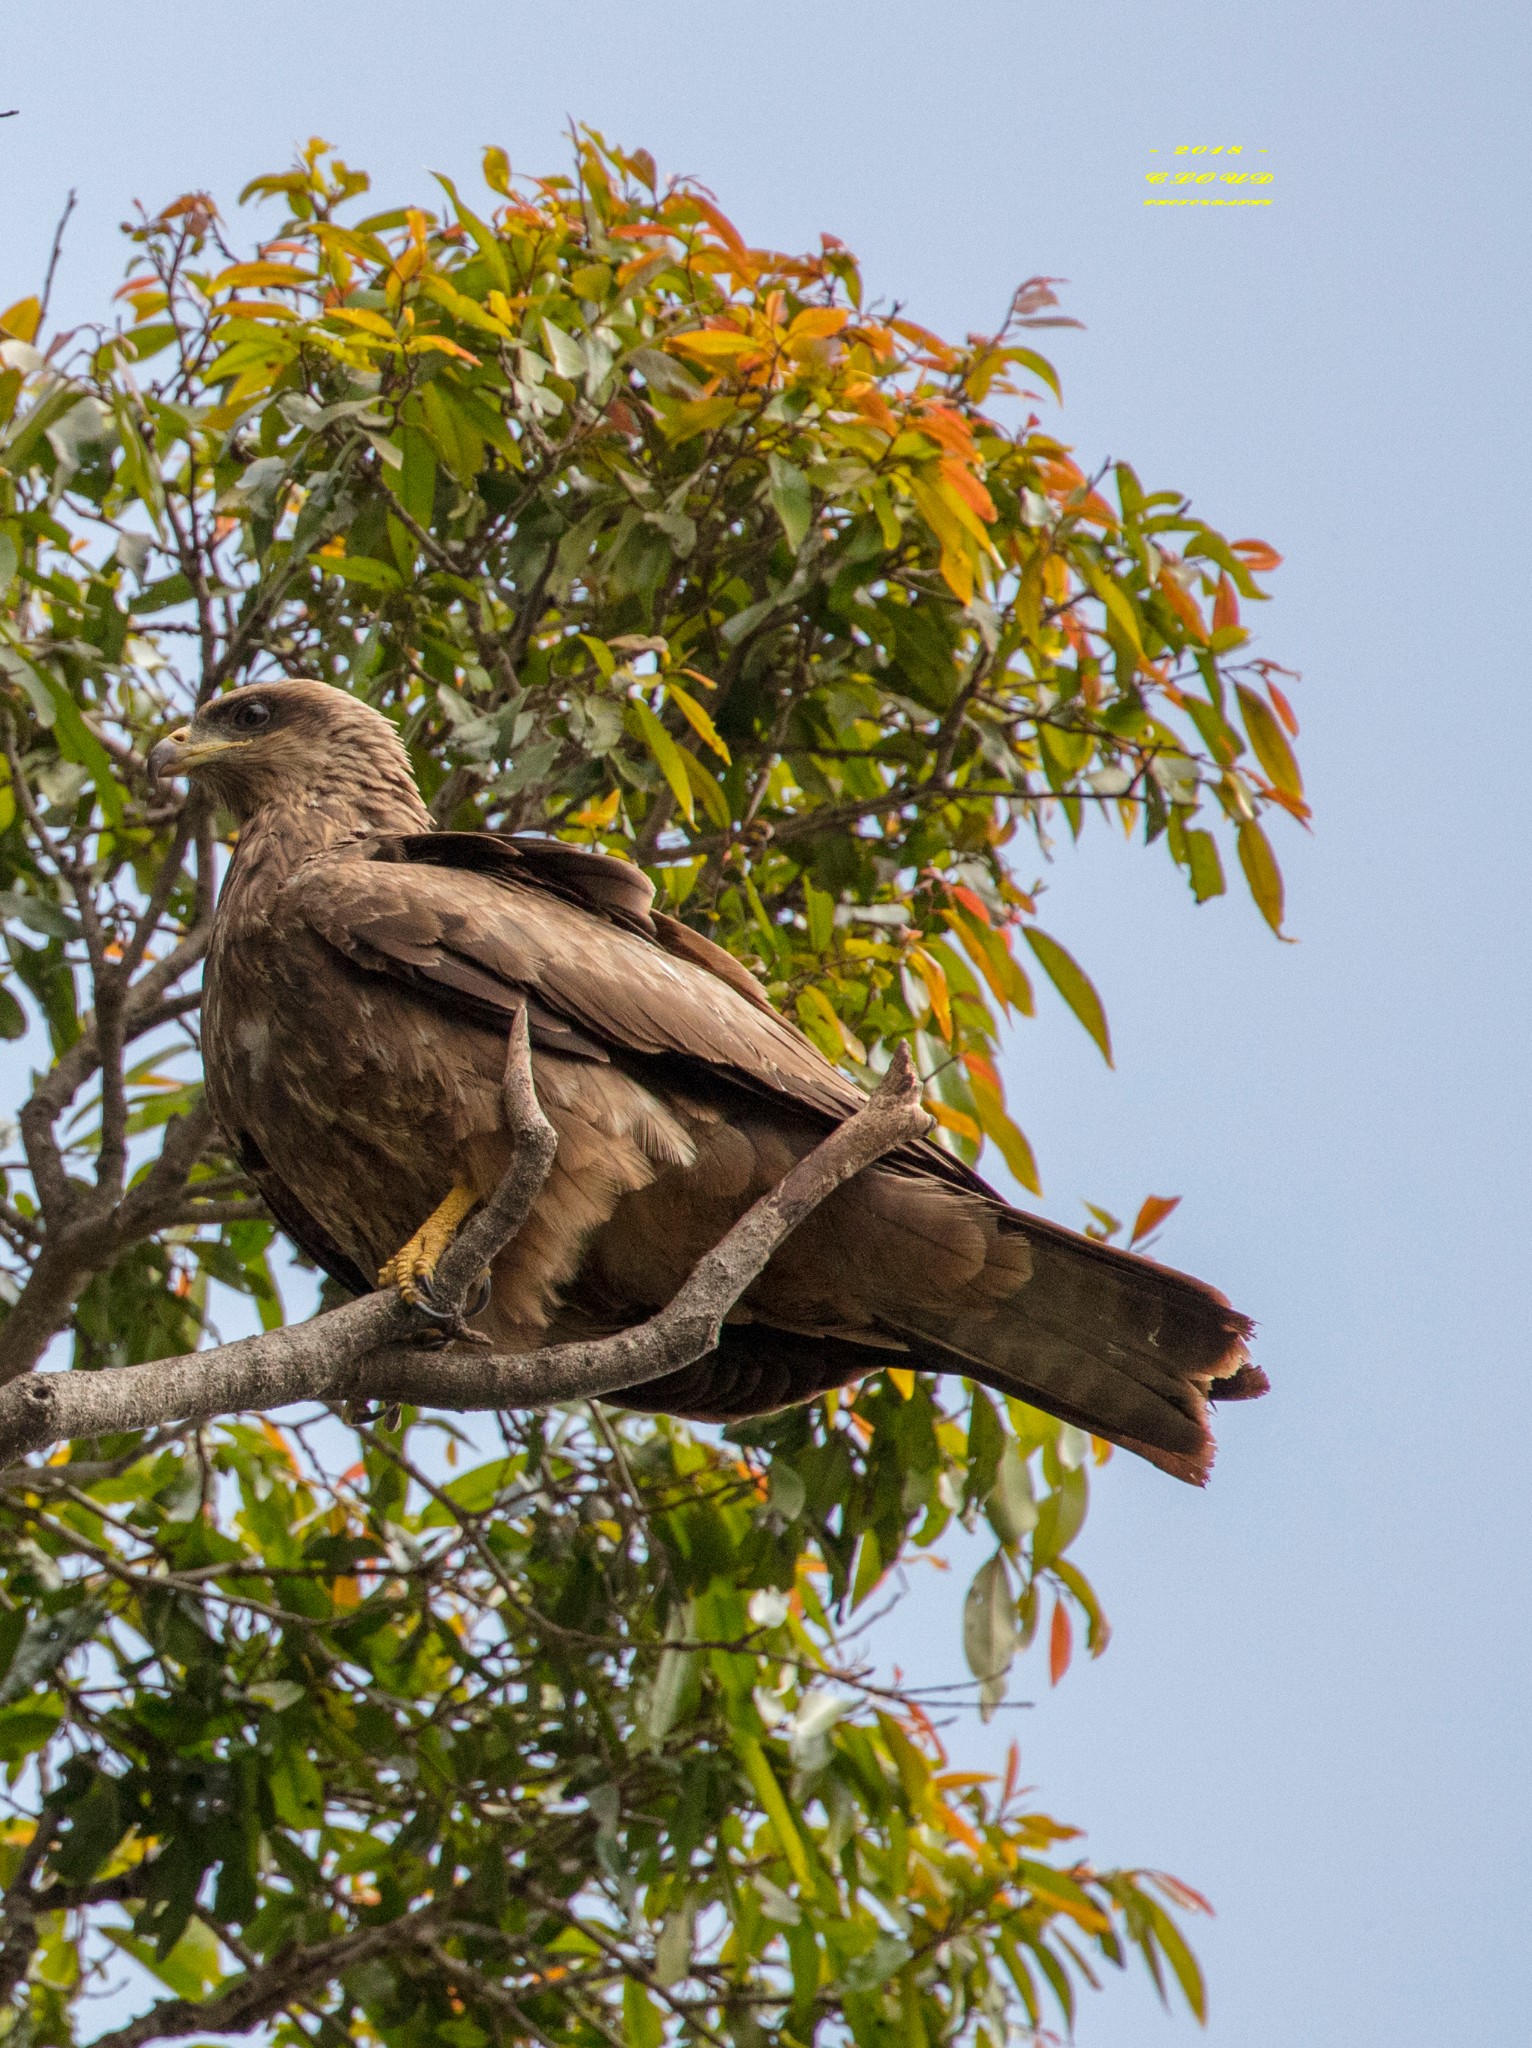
(416, 1260)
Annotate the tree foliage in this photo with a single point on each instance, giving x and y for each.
(555, 1733)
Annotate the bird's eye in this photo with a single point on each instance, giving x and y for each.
(250, 717)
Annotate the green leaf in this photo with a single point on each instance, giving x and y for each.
(1060, 1517)
(643, 2025)
(990, 1636)
(27, 1727)
(1203, 864)
(363, 569)
(820, 911)
(193, 1969)
(791, 499)
(773, 1804)
(674, 1677)
(1073, 984)
(1012, 1511)
(416, 481)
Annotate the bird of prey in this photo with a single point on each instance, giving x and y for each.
(364, 974)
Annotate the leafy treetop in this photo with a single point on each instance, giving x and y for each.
(664, 543)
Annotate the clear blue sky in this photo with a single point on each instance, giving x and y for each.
(1315, 1707)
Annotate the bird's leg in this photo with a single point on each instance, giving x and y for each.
(411, 1267)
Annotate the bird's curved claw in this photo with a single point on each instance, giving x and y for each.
(450, 1326)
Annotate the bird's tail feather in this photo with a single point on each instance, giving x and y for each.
(1123, 1347)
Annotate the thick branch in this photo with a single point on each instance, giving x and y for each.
(370, 1350)
(260, 1993)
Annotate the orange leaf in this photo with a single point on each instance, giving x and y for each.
(957, 1121)
(973, 903)
(948, 429)
(1225, 606)
(278, 1442)
(1255, 554)
(934, 346)
(1062, 478)
(1183, 604)
(1097, 511)
(1156, 1208)
(969, 489)
(1060, 1644)
(721, 224)
(1284, 710)
(954, 1824)
(874, 407)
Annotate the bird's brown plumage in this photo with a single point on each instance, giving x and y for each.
(362, 978)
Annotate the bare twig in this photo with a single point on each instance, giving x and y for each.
(370, 1350)
(58, 244)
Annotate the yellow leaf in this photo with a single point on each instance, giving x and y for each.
(595, 817)
(1270, 742)
(826, 1027)
(667, 756)
(1261, 873)
(817, 321)
(696, 717)
(438, 344)
(463, 308)
(902, 1380)
(363, 317)
(714, 345)
(241, 276)
(22, 320)
(706, 788)
(934, 975)
(257, 309)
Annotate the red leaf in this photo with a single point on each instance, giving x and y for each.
(1060, 1644)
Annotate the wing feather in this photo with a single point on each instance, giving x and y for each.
(481, 927)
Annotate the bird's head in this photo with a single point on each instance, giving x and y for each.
(295, 744)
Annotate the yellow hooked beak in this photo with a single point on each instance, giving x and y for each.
(180, 754)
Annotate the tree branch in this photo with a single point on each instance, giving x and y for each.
(372, 1349)
(260, 1993)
